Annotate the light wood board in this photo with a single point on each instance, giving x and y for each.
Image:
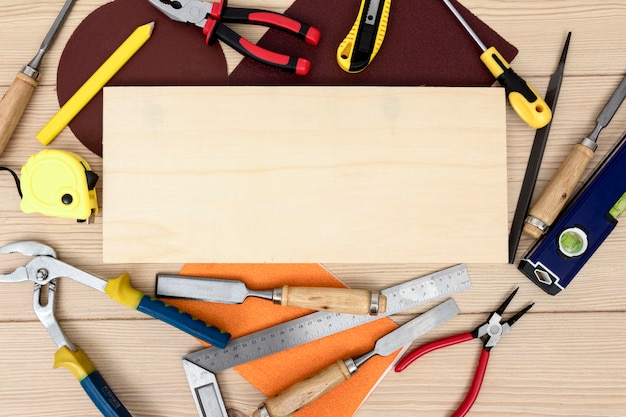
(302, 174)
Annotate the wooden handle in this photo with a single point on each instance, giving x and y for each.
(560, 189)
(13, 105)
(306, 391)
(341, 300)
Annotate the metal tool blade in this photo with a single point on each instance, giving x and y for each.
(205, 289)
(536, 155)
(206, 392)
(317, 325)
(410, 331)
(52, 33)
(609, 110)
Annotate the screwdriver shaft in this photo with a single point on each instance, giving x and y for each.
(466, 25)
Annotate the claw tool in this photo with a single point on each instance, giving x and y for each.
(554, 260)
(562, 185)
(366, 36)
(16, 98)
(526, 102)
(342, 300)
(305, 392)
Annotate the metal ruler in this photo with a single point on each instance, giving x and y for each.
(321, 324)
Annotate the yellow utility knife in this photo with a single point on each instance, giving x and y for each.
(365, 38)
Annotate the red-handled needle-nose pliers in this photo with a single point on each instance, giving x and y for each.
(209, 16)
(489, 332)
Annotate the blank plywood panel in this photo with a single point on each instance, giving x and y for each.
(304, 174)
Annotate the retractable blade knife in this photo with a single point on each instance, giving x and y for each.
(366, 37)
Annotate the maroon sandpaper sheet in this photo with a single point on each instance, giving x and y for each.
(175, 54)
(424, 45)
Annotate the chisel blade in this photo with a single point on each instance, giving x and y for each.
(412, 330)
(205, 289)
(609, 110)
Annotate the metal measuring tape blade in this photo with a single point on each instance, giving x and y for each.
(321, 324)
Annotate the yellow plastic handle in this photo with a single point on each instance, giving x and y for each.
(57, 183)
(369, 31)
(524, 100)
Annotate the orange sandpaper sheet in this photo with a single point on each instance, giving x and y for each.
(277, 372)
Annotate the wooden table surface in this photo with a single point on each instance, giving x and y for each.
(567, 357)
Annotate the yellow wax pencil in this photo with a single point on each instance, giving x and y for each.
(95, 83)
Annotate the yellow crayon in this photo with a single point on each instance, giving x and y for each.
(95, 83)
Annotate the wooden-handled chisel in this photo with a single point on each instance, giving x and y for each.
(308, 390)
(341, 300)
(16, 98)
(562, 185)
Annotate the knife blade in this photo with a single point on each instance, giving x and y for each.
(228, 291)
(310, 389)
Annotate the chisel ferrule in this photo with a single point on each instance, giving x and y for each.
(277, 295)
(30, 71)
(262, 410)
(589, 143)
(539, 224)
(375, 303)
(351, 365)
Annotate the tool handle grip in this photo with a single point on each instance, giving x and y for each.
(524, 100)
(183, 321)
(429, 347)
(306, 391)
(341, 300)
(559, 189)
(91, 380)
(121, 290)
(474, 390)
(310, 34)
(365, 38)
(13, 105)
(213, 29)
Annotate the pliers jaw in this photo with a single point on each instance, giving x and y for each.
(45, 314)
(186, 11)
(44, 267)
(492, 330)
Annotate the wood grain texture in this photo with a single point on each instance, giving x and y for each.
(564, 358)
(301, 174)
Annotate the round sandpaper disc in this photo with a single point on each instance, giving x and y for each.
(176, 54)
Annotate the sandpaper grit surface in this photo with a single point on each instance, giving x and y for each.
(175, 54)
(273, 374)
(424, 45)
(302, 174)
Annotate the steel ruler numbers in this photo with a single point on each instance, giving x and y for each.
(321, 324)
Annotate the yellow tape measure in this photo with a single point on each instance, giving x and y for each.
(60, 184)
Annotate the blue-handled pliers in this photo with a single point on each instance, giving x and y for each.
(45, 268)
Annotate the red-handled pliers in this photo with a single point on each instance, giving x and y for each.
(210, 15)
(489, 332)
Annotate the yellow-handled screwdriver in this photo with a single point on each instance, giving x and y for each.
(526, 102)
